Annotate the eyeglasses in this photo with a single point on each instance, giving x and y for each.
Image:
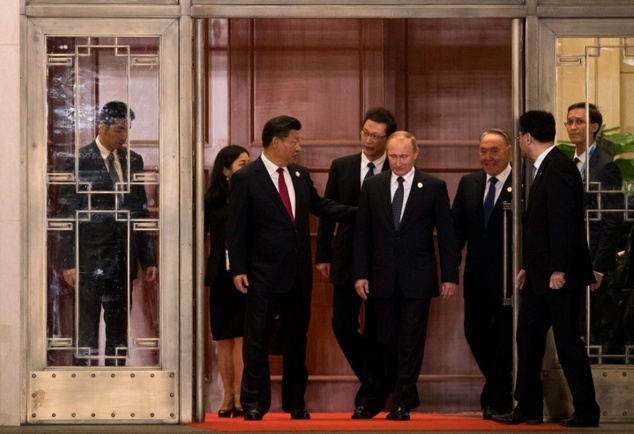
(375, 137)
(517, 138)
(577, 122)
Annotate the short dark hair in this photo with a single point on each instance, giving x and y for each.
(539, 124)
(382, 116)
(594, 114)
(279, 127)
(114, 110)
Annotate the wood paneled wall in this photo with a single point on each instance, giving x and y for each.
(446, 80)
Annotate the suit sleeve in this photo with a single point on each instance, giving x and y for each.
(327, 209)
(362, 251)
(447, 243)
(611, 224)
(458, 213)
(323, 253)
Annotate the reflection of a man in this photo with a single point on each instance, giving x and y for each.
(605, 228)
(107, 267)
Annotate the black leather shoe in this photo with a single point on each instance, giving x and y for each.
(253, 414)
(361, 413)
(515, 418)
(488, 412)
(300, 414)
(399, 413)
(579, 422)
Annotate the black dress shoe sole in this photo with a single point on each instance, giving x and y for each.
(361, 413)
(510, 421)
(576, 423)
(253, 415)
(527, 421)
(300, 416)
(397, 416)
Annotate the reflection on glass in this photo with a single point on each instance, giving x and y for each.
(593, 75)
(103, 202)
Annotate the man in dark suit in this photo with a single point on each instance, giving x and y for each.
(270, 258)
(605, 230)
(479, 221)
(395, 262)
(556, 270)
(106, 204)
(333, 259)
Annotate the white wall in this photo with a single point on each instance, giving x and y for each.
(10, 243)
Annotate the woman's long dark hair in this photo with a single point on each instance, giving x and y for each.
(218, 184)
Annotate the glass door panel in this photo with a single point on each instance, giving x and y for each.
(103, 291)
(103, 218)
(599, 72)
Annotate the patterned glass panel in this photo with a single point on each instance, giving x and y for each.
(103, 211)
(600, 71)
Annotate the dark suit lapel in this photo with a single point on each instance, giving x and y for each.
(94, 169)
(594, 160)
(123, 160)
(386, 165)
(415, 194)
(301, 200)
(386, 197)
(354, 169)
(265, 181)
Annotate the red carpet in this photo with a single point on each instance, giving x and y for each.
(276, 422)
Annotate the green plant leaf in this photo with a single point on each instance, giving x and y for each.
(626, 166)
(566, 148)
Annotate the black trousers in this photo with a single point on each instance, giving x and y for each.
(561, 310)
(488, 328)
(402, 326)
(261, 309)
(112, 296)
(359, 348)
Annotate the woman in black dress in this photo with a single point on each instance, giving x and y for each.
(226, 303)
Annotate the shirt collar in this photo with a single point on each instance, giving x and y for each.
(378, 163)
(501, 177)
(408, 177)
(103, 151)
(541, 157)
(583, 155)
(270, 166)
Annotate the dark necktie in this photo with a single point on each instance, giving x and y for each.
(397, 202)
(576, 160)
(489, 201)
(370, 171)
(112, 171)
(284, 193)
